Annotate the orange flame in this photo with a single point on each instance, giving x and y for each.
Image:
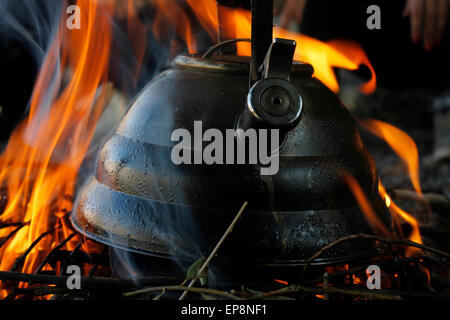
(403, 145)
(396, 212)
(172, 13)
(40, 164)
(406, 149)
(364, 204)
(236, 23)
(207, 14)
(324, 56)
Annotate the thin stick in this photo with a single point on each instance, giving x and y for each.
(378, 295)
(12, 224)
(39, 291)
(297, 288)
(373, 237)
(86, 282)
(358, 269)
(50, 255)
(409, 195)
(426, 198)
(185, 289)
(22, 258)
(214, 252)
(97, 263)
(10, 235)
(371, 295)
(65, 261)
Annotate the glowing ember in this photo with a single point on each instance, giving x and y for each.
(282, 282)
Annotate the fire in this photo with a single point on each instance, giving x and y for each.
(206, 12)
(173, 13)
(403, 145)
(406, 149)
(364, 204)
(397, 212)
(324, 56)
(40, 164)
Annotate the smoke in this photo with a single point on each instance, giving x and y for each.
(33, 23)
(144, 199)
(136, 55)
(27, 29)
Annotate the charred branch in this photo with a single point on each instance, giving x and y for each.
(86, 282)
(50, 255)
(10, 235)
(18, 263)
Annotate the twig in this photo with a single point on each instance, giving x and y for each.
(10, 224)
(50, 255)
(22, 258)
(432, 198)
(69, 257)
(86, 282)
(373, 237)
(408, 195)
(10, 235)
(181, 288)
(39, 291)
(96, 264)
(329, 290)
(214, 252)
(334, 275)
(159, 296)
(359, 269)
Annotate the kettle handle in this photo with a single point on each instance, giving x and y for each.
(262, 35)
(278, 59)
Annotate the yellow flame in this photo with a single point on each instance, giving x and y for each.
(41, 161)
(403, 145)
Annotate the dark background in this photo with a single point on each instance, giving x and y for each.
(398, 61)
